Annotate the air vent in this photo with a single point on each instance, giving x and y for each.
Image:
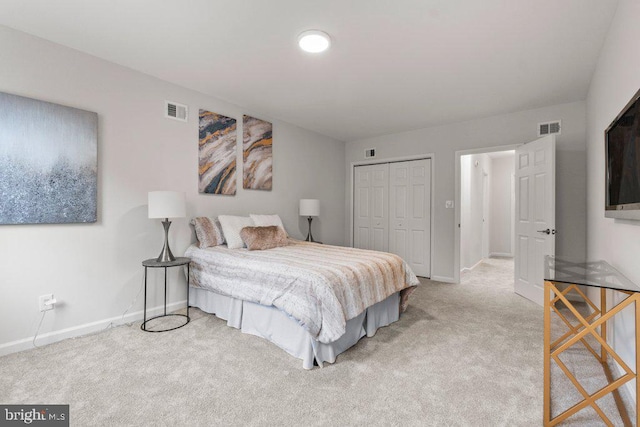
(369, 153)
(549, 128)
(173, 110)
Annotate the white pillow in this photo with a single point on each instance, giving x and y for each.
(267, 220)
(231, 227)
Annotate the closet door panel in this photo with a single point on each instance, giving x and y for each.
(410, 218)
(380, 208)
(361, 207)
(400, 199)
(371, 207)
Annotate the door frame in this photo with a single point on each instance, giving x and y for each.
(352, 172)
(458, 198)
(485, 214)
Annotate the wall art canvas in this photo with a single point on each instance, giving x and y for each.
(217, 154)
(257, 142)
(48, 162)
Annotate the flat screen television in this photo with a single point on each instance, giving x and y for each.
(622, 154)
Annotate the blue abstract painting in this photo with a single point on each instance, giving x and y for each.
(48, 162)
(217, 153)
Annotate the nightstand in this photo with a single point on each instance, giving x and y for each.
(153, 263)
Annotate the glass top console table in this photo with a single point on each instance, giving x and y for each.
(563, 276)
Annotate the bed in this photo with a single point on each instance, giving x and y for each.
(314, 301)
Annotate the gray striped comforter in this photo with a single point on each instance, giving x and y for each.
(321, 286)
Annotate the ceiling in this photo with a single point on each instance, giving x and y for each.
(392, 66)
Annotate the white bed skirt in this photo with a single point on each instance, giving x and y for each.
(276, 326)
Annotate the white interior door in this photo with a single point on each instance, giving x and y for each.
(371, 207)
(535, 198)
(410, 213)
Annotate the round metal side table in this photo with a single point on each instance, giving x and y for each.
(153, 263)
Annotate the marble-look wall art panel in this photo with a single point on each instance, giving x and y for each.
(257, 153)
(217, 154)
(48, 162)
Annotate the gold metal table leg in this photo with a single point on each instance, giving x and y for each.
(547, 353)
(603, 328)
(637, 357)
(598, 329)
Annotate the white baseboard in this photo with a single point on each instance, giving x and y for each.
(465, 269)
(501, 254)
(87, 328)
(443, 279)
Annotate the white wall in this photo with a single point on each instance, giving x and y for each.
(501, 231)
(471, 208)
(95, 269)
(615, 81)
(444, 141)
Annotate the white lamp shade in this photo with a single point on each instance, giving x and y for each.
(309, 207)
(167, 204)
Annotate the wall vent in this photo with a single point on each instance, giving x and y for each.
(173, 110)
(369, 153)
(549, 128)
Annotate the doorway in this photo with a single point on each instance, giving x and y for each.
(487, 213)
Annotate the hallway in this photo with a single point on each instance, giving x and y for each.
(494, 273)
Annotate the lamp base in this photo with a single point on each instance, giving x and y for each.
(309, 236)
(166, 255)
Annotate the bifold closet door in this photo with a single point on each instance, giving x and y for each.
(371, 207)
(410, 213)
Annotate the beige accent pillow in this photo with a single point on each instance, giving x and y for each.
(208, 232)
(261, 238)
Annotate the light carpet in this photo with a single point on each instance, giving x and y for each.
(464, 355)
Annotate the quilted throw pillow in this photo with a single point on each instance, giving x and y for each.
(208, 232)
(261, 238)
(231, 226)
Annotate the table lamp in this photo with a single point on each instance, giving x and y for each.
(166, 204)
(309, 208)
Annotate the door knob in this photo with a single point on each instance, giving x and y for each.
(547, 231)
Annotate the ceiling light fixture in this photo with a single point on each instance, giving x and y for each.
(314, 41)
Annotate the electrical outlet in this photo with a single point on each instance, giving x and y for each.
(46, 302)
